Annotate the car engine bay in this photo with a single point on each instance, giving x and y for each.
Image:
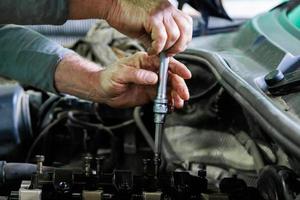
(61, 147)
(87, 146)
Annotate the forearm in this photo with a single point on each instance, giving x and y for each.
(29, 57)
(51, 11)
(32, 59)
(89, 9)
(79, 77)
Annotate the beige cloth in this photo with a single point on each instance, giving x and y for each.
(104, 45)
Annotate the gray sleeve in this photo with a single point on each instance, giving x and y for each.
(33, 11)
(29, 57)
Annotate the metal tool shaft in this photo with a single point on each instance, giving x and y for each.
(160, 109)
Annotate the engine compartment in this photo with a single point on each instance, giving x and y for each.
(213, 149)
(234, 139)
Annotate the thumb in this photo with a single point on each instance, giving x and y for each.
(138, 76)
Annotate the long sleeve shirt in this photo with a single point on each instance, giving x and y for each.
(25, 55)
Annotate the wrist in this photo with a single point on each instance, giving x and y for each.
(79, 77)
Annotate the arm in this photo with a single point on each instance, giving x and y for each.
(157, 23)
(34, 60)
(51, 11)
(29, 57)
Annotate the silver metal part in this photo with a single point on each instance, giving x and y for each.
(152, 195)
(87, 164)
(39, 161)
(29, 194)
(163, 77)
(161, 101)
(160, 109)
(92, 195)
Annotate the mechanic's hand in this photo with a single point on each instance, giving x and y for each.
(157, 23)
(132, 81)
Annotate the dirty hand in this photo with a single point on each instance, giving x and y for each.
(129, 82)
(132, 81)
(157, 23)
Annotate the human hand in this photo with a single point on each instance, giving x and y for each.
(157, 23)
(132, 81)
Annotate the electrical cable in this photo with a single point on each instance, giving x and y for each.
(121, 125)
(95, 110)
(205, 92)
(61, 116)
(72, 117)
(46, 106)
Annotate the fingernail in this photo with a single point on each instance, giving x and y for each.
(190, 74)
(181, 104)
(151, 78)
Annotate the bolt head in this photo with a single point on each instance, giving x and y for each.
(40, 158)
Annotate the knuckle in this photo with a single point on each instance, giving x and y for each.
(154, 20)
(175, 35)
(190, 19)
(140, 54)
(162, 36)
(186, 28)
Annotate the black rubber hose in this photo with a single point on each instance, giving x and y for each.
(10, 172)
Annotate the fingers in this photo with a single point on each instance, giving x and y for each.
(179, 92)
(171, 31)
(184, 24)
(152, 63)
(180, 69)
(136, 76)
(179, 86)
(159, 36)
(178, 102)
(140, 70)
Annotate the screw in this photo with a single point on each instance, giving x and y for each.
(39, 161)
(87, 164)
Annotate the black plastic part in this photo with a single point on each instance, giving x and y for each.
(233, 186)
(290, 84)
(63, 181)
(68, 184)
(274, 77)
(15, 172)
(286, 78)
(123, 181)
